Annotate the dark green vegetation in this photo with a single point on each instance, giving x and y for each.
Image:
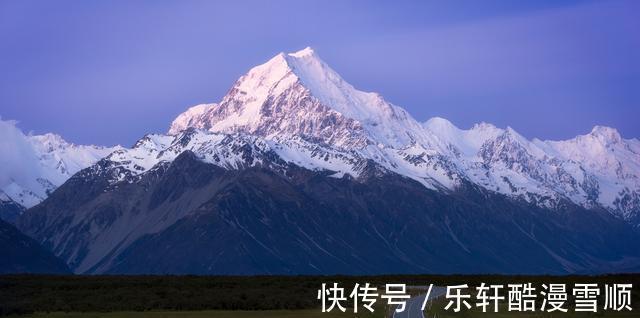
(22, 294)
(438, 311)
(308, 313)
(209, 314)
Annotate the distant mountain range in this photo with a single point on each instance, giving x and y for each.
(295, 171)
(35, 165)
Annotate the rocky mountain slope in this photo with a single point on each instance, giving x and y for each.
(21, 254)
(254, 213)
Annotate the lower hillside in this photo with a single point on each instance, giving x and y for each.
(21, 254)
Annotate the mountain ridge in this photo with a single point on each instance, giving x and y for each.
(188, 216)
(35, 165)
(21, 254)
(336, 115)
(295, 171)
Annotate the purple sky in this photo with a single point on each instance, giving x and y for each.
(109, 72)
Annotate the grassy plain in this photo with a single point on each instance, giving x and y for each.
(240, 296)
(307, 313)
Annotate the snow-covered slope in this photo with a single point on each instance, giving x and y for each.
(611, 165)
(191, 118)
(299, 95)
(31, 166)
(305, 112)
(596, 169)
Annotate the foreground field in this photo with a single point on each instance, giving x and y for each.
(241, 296)
(439, 312)
(210, 314)
(317, 314)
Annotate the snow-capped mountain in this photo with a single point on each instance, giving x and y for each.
(295, 171)
(299, 95)
(298, 104)
(200, 202)
(34, 165)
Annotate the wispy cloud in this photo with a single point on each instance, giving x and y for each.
(18, 160)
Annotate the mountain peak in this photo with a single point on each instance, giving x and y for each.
(439, 124)
(285, 63)
(308, 51)
(606, 133)
(51, 140)
(299, 94)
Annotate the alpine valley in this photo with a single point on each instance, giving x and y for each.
(295, 171)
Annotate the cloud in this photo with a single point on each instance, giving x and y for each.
(18, 159)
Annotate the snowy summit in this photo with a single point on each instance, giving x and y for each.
(298, 110)
(298, 102)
